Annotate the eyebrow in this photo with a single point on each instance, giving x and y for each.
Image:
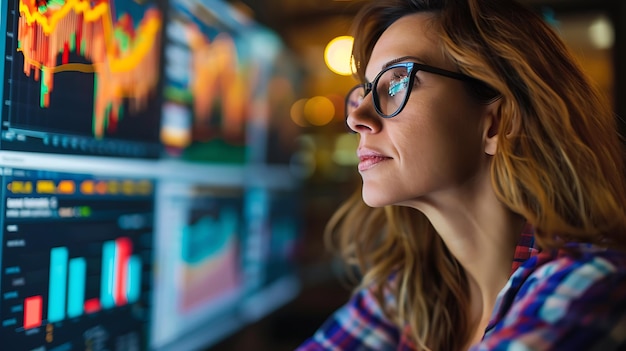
(401, 59)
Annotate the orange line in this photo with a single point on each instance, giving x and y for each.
(77, 67)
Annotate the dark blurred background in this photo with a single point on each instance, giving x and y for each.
(594, 29)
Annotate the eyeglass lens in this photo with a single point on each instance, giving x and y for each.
(390, 91)
(354, 99)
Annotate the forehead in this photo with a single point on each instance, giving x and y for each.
(413, 35)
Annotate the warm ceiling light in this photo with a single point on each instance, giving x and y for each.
(338, 55)
(601, 33)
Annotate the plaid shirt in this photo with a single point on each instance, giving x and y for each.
(565, 300)
(571, 299)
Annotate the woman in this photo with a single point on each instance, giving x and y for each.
(476, 126)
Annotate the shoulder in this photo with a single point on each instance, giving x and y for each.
(577, 281)
(576, 270)
(563, 300)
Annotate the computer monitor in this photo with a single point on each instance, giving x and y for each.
(77, 257)
(209, 80)
(82, 77)
(218, 66)
(198, 281)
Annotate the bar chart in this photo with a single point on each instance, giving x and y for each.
(76, 263)
(121, 284)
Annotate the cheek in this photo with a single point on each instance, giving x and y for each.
(455, 116)
(443, 137)
(463, 150)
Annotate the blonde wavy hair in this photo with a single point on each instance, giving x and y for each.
(559, 162)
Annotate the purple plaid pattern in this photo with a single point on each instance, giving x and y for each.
(360, 324)
(573, 299)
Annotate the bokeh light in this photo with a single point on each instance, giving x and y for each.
(601, 33)
(297, 113)
(345, 150)
(319, 110)
(338, 53)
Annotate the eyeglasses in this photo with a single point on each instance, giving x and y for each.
(392, 86)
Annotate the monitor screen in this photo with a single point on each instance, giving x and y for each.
(228, 87)
(198, 280)
(76, 261)
(82, 77)
(209, 78)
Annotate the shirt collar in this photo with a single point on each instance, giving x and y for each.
(526, 247)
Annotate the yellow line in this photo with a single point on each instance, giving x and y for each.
(79, 6)
(147, 34)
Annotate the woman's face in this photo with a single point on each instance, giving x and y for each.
(434, 147)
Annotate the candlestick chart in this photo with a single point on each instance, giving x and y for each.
(84, 68)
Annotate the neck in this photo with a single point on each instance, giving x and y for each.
(482, 233)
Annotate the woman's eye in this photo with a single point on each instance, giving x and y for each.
(398, 85)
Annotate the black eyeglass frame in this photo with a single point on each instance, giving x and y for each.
(413, 67)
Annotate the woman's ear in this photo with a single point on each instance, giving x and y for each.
(492, 126)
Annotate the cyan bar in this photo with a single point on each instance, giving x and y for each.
(133, 285)
(57, 284)
(107, 283)
(76, 294)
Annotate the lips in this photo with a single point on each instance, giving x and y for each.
(369, 159)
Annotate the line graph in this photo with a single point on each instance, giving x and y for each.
(122, 52)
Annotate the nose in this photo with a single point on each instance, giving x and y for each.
(364, 118)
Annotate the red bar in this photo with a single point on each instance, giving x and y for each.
(79, 32)
(66, 53)
(32, 312)
(92, 305)
(124, 248)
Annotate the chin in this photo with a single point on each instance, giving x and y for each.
(373, 200)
